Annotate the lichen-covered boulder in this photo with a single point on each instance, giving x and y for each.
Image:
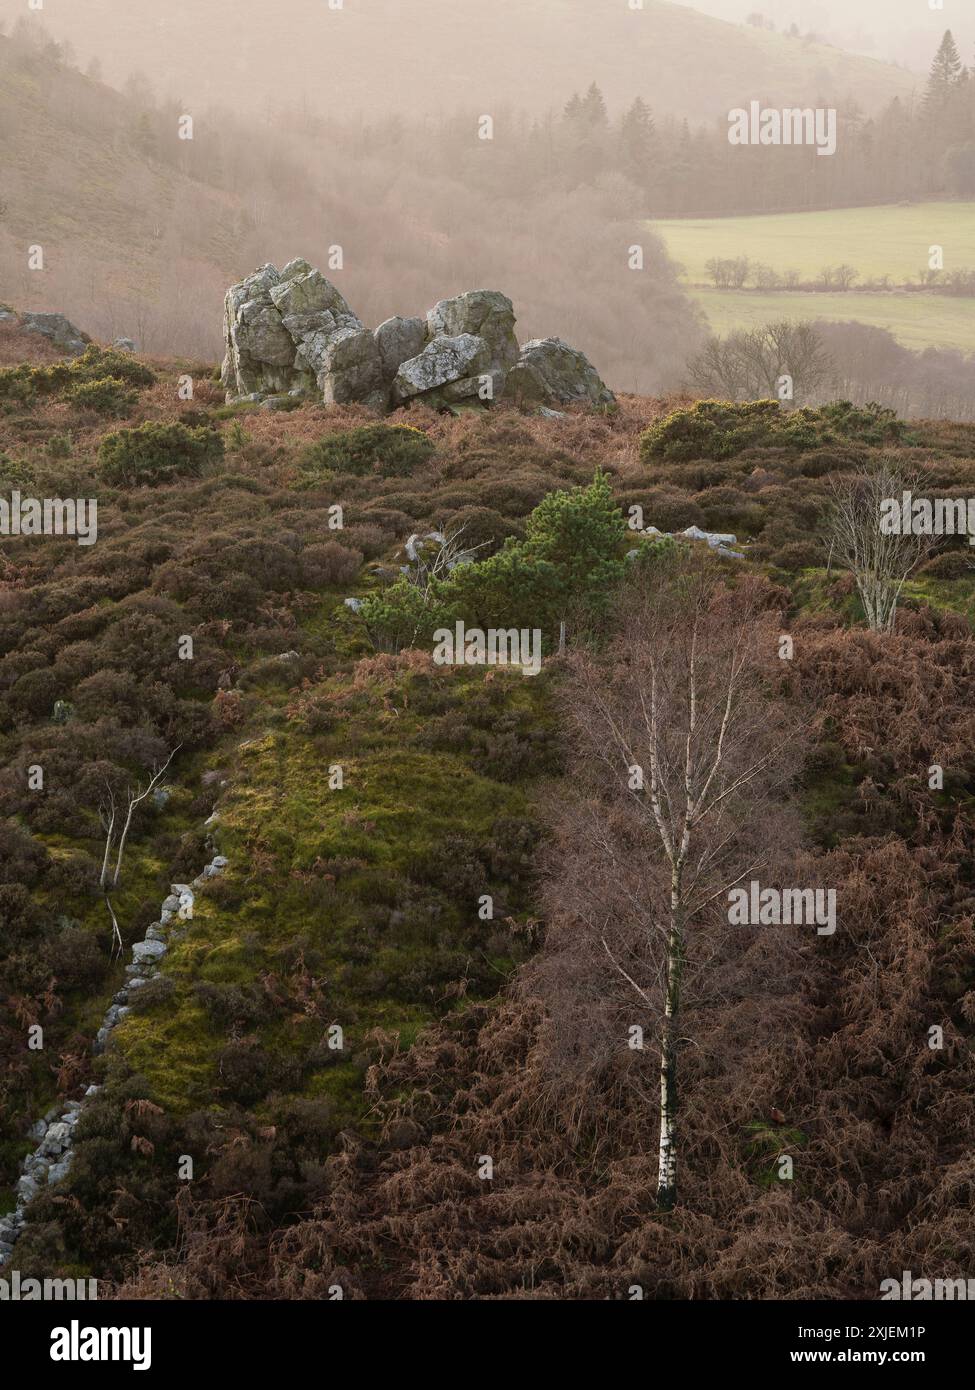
(309, 293)
(444, 361)
(486, 314)
(549, 370)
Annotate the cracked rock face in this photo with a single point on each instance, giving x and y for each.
(290, 332)
(398, 340)
(279, 329)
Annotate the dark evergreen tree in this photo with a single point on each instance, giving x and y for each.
(946, 73)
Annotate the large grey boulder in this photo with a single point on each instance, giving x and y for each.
(486, 314)
(550, 370)
(57, 329)
(444, 361)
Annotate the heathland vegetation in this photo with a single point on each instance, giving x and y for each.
(360, 902)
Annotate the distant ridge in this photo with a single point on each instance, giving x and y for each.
(377, 55)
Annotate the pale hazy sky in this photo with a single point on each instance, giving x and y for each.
(901, 30)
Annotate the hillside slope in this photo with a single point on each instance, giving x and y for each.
(142, 232)
(361, 904)
(372, 57)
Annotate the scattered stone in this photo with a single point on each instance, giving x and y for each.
(60, 1170)
(26, 1189)
(150, 951)
(125, 345)
(52, 1157)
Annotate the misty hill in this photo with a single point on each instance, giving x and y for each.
(386, 56)
(142, 232)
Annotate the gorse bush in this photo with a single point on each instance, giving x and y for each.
(391, 451)
(96, 363)
(106, 395)
(725, 429)
(24, 384)
(156, 453)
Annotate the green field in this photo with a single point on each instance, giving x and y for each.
(917, 321)
(877, 241)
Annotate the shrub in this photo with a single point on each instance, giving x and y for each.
(710, 430)
(96, 363)
(329, 563)
(723, 429)
(156, 453)
(483, 527)
(391, 451)
(570, 560)
(106, 395)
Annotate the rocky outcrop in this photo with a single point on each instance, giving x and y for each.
(51, 1159)
(291, 333)
(54, 327)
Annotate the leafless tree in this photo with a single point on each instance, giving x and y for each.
(697, 757)
(750, 363)
(433, 556)
(116, 818)
(880, 559)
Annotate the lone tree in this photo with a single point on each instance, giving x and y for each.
(688, 758)
(880, 559)
(945, 74)
(116, 815)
